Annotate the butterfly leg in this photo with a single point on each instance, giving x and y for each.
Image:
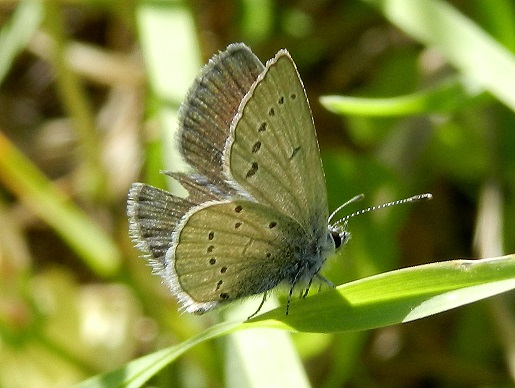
(289, 299)
(306, 291)
(293, 283)
(317, 274)
(326, 281)
(260, 305)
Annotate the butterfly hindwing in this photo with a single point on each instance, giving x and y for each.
(224, 251)
(153, 216)
(272, 152)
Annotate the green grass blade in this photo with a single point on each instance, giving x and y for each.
(396, 297)
(446, 97)
(74, 98)
(139, 371)
(386, 299)
(15, 35)
(250, 352)
(172, 65)
(34, 189)
(464, 44)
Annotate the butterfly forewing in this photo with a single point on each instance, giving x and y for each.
(228, 250)
(273, 151)
(210, 106)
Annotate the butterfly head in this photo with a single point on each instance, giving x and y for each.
(339, 234)
(338, 230)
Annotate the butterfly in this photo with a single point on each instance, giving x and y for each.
(256, 213)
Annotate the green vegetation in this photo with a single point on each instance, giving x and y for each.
(407, 96)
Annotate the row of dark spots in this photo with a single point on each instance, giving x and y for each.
(238, 209)
(212, 260)
(223, 295)
(262, 128)
(257, 145)
(223, 270)
(211, 235)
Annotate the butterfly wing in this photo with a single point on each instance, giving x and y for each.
(154, 213)
(207, 112)
(153, 216)
(204, 123)
(224, 251)
(272, 152)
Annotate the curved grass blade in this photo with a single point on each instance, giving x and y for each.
(139, 371)
(463, 43)
(15, 34)
(32, 187)
(396, 297)
(386, 299)
(444, 98)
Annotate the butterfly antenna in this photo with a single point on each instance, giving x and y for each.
(357, 198)
(415, 198)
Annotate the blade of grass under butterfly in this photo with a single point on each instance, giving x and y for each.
(396, 297)
(393, 297)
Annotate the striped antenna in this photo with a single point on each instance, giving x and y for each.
(414, 198)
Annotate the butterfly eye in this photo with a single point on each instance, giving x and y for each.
(336, 239)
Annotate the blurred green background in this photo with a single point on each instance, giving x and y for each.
(89, 92)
